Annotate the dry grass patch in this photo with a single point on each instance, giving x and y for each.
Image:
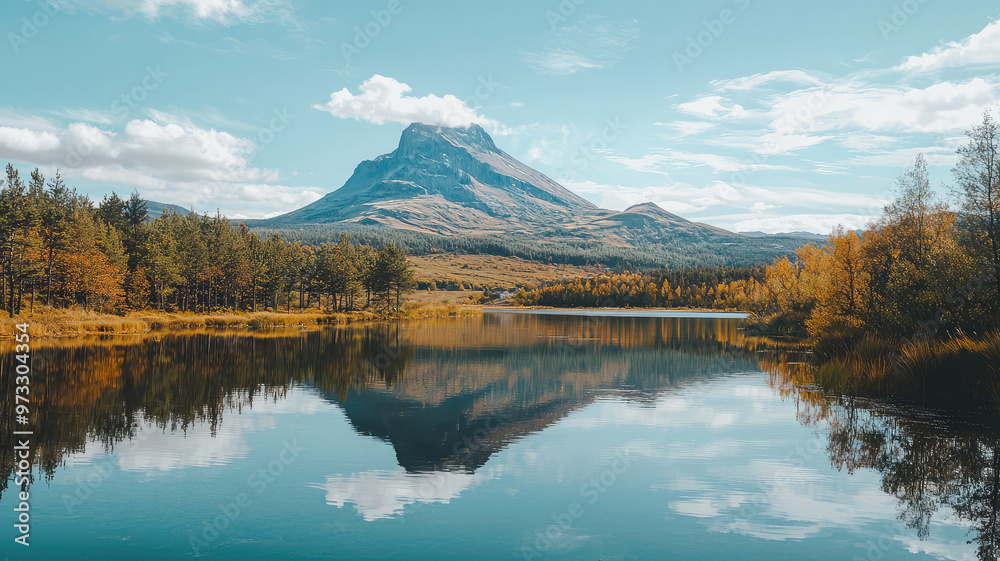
(75, 322)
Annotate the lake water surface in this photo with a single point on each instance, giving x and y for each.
(507, 436)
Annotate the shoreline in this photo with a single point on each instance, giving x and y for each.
(67, 324)
(76, 323)
(620, 312)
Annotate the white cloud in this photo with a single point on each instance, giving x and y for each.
(711, 107)
(383, 100)
(167, 159)
(170, 151)
(595, 42)
(688, 128)
(944, 107)
(755, 81)
(750, 203)
(225, 12)
(867, 142)
(794, 118)
(814, 223)
(677, 159)
(561, 62)
(384, 494)
(761, 207)
(866, 110)
(980, 49)
(937, 156)
(778, 142)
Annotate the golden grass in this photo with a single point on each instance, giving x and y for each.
(412, 311)
(50, 322)
(492, 270)
(960, 368)
(864, 367)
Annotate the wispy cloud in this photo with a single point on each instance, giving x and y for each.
(812, 223)
(687, 128)
(670, 159)
(224, 12)
(883, 113)
(734, 205)
(754, 81)
(712, 107)
(594, 42)
(289, 48)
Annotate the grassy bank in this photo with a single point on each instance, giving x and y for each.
(957, 370)
(64, 323)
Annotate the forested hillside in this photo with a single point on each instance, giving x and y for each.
(556, 247)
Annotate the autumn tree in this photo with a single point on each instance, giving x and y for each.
(977, 178)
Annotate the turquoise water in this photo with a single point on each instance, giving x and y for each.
(501, 437)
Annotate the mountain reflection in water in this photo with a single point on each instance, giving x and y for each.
(447, 395)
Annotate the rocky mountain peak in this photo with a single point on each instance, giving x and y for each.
(419, 138)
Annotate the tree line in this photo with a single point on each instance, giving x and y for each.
(59, 249)
(650, 249)
(926, 267)
(717, 288)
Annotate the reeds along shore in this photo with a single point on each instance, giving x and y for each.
(958, 370)
(57, 323)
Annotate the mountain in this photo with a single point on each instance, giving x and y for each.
(154, 209)
(446, 181)
(453, 189)
(650, 217)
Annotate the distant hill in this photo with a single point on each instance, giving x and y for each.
(155, 209)
(454, 189)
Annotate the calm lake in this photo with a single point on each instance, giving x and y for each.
(507, 436)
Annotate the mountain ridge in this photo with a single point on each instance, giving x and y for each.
(454, 190)
(456, 181)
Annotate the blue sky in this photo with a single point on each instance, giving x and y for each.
(750, 115)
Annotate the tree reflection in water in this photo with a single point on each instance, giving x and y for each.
(927, 459)
(425, 386)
